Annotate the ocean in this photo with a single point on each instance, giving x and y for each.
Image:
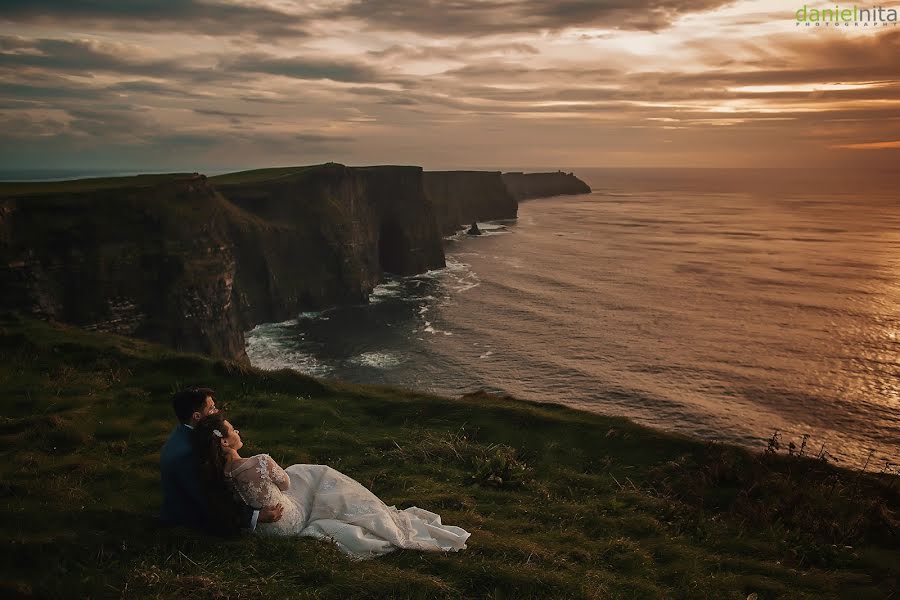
(721, 303)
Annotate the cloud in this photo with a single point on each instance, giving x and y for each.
(50, 91)
(20, 126)
(224, 113)
(153, 88)
(454, 52)
(81, 56)
(871, 145)
(457, 82)
(127, 123)
(471, 18)
(191, 16)
(186, 140)
(796, 59)
(299, 67)
(312, 138)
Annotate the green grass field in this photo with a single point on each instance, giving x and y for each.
(560, 503)
(261, 175)
(33, 188)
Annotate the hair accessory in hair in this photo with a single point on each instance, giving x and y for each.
(217, 433)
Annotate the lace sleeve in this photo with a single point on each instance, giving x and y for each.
(255, 484)
(277, 474)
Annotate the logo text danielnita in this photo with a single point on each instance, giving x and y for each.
(847, 16)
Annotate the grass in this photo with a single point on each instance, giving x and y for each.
(34, 188)
(262, 175)
(279, 173)
(560, 504)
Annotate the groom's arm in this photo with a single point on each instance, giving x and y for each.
(266, 514)
(250, 518)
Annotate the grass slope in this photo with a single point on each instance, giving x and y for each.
(34, 188)
(604, 508)
(262, 175)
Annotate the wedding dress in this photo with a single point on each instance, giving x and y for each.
(323, 503)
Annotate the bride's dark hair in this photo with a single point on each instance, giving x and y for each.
(225, 513)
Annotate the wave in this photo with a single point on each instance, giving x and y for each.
(272, 354)
(379, 360)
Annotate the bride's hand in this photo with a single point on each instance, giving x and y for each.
(270, 514)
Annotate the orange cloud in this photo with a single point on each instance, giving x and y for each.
(870, 146)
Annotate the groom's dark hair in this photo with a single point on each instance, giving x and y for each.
(187, 402)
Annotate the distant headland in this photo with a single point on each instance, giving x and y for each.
(526, 186)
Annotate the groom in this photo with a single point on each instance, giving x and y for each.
(183, 500)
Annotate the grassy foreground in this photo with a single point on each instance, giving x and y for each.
(561, 504)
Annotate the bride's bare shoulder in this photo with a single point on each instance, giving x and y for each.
(241, 464)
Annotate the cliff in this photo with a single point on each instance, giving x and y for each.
(149, 257)
(461, 197)
(325, 235)
(524, 186)
(172, 260)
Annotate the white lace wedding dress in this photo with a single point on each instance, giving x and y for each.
(323, 503)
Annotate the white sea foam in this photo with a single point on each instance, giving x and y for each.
(378, 360)
(486, 227)
(268, 352)
(467, 283)
(492, 228)
(267, 327)
(429, 328)
(384, 291)
(460, 276)
(458, 236)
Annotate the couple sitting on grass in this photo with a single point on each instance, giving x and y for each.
(208, 485)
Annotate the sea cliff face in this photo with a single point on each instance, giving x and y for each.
(461, 197)
(153, 261)
(174, 261)
(325, 235)
(524, 186)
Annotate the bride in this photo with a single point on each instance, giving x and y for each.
(318, 501)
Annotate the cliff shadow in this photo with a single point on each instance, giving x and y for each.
(393, 248)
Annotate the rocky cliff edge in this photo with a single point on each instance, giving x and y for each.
(179, 260)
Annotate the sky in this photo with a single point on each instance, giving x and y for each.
(225, 84)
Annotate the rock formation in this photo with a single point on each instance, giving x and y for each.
(461, 197)
(525, 186)
(324, 235)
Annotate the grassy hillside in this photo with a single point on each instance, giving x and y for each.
(260, 175)
(561, 504)
(28, 188)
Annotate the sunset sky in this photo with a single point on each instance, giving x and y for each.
(205, 85)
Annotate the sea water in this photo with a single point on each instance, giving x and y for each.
(722, 303)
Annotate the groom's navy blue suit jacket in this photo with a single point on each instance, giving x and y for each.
(183, 500)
